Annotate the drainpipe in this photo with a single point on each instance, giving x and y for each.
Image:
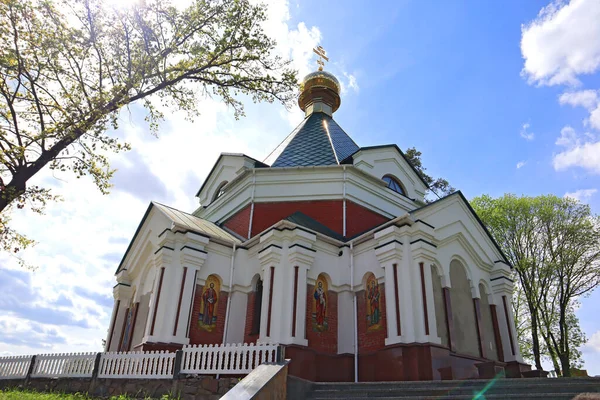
(252, 202)
(344, 204)
(355, 312)
(225, 330)
(229, 297)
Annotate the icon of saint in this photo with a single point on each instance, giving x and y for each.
(210, 299)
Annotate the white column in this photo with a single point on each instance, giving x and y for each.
(393, 336)
(191, 257)
(122, 293)
(502, 286)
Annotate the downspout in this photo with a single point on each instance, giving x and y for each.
(355, 312)
(252, 202)
(344, 204)
(225, 330)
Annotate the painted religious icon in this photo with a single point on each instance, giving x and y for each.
(208, 307)
(128, 328)
(373, 301)
(320, 304)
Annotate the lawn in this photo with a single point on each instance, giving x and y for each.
(28, 395)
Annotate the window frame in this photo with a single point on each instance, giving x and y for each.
(394, 180)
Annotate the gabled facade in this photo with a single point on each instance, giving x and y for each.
(329, 249)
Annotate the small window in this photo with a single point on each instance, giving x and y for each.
(393, 184)
(220, 190)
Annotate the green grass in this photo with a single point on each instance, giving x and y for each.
(29, 395)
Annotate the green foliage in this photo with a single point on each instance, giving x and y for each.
(14, 394)
(554, 245)
(439, 186)
(67, 67)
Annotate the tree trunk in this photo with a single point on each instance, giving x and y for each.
(535, 339)
(566, 365)
(14, 189)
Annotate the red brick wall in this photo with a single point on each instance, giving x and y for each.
(326, 341)
(360, 219)
(248, 336)
(328, 212)
(199, 335)
(369, 341)
(239, 223)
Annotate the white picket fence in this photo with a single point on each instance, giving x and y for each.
(65, 365)
(14, 367)
(233, 359)
(137, 364)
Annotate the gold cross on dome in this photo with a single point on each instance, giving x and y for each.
(320, 51)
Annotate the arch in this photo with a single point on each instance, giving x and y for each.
(464, 265)
(253, 281)
(486, 290)
(219, 190)
(490, 346)
(394, 184)
(465, 333)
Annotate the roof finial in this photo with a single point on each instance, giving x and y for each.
(320, 51)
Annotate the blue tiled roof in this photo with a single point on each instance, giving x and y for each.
(318, 140)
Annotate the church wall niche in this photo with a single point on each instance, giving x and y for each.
(489, 345)
(465, 329)
(253, 312)
(372, 318)
(140, 322)
(208, 313)
(440, 310)
(321, 316)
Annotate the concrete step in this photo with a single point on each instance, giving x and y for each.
(542, 388)
(545, 396)
(548, 382)
(440, 389)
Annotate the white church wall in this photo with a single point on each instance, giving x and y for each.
(228, 167)
(386, 160)
(237, 317)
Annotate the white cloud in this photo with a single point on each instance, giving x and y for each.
(594, 342)
(579, 151)
(583, 98)
(582, 195)
(529, 136)
(521, 164)
(82, 239)
(590, 100)
(562, 43)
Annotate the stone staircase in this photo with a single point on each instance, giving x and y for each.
(532, 388)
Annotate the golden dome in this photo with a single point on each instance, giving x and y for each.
(320, 86)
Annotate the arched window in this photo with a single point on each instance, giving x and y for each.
(220, 190)
(257, 307)
(394, 184)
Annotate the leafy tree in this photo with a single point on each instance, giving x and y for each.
(513, 223)
(67, 67)
(439, 186)
(572, 237)
(554, 245)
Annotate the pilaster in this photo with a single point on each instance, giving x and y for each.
(393, 253)
(502, 289)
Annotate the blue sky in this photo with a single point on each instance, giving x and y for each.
(499, 96)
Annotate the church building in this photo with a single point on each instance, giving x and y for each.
(329, 249)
